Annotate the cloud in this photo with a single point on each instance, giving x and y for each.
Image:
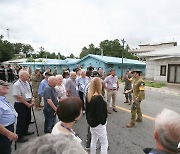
(66, 26)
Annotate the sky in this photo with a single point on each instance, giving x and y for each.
(66, 26)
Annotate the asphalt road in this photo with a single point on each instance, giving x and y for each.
(123, 140)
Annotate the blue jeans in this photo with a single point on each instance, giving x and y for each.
(50, 119)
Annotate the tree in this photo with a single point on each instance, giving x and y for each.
(84, 52)
(71, 56)
(111, 48)
(24, 48)
(90, 50)
(6, 50)
(61, 56)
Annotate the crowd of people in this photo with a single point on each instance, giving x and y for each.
(9, 73)
(64, 98)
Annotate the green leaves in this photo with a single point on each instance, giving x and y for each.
(113, 48)
(6, 50)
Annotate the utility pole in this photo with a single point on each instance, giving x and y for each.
(101, 52)
(123, 42)
(7, 33)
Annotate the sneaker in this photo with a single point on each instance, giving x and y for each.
(114, 110)
(126, 102)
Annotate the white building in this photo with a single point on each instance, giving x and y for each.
(163, 64)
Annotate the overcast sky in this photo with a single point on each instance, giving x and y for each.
(66, 26)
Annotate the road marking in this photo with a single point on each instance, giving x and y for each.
(127, 110)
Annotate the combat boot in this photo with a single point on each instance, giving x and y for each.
(138, 120)
(130, 125)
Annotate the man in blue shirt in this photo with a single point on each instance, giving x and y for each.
(43, 84)
(7, 119)
(82, 82)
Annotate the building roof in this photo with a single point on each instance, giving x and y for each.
(159, 43)
(171, 51)
(45, 61)
(113, 60)
(152, 47)
(165, 57)
(15, 61)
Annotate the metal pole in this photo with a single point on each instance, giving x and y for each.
(35, 122)
(34, 64)
(7, 33)
(123, 41)
(15, 145)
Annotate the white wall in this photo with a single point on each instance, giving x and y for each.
(153, 68)
(149, 70)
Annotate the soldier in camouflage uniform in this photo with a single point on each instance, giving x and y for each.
(138, 96)
(128, 87)
(36, 79)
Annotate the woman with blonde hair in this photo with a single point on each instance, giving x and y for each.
(96, 114)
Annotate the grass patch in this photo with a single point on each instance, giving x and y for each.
(155, 84)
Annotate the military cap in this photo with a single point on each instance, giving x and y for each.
(48, 74)
(136, 70)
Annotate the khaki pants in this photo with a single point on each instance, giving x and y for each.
(111, 94)
(136, 111)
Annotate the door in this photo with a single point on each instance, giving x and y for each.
(174, 73)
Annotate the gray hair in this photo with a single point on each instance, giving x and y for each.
(59, 77)
(52, 144)
(22, 72)
(51, 78)
(167, 125)
(83, 70)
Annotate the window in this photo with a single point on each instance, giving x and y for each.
(163, 70)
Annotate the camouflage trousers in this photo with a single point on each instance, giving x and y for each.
(136, 111)
(37, 99)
